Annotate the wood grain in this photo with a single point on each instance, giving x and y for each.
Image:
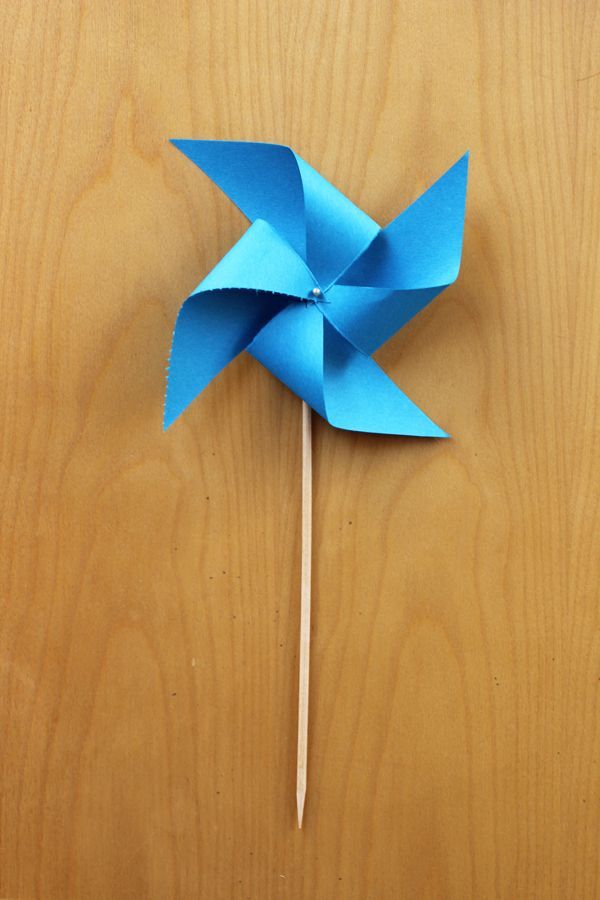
(149, 582)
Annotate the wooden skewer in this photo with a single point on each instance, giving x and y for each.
(304, 609)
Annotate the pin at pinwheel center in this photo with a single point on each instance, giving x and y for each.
(317, 295)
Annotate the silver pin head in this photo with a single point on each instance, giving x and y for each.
(317, 292)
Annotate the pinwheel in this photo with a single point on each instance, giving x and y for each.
(311, 290)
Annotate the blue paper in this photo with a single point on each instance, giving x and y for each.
(314, 286)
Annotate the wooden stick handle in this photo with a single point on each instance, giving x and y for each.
(304, 609)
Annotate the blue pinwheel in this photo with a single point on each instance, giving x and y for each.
(315, 286)
(311, 290)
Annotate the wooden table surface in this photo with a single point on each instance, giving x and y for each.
(149, 581)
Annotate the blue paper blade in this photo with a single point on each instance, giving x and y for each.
(368, 317)
(211, 329)
(261, 261)
(343, 385)
(271, 182)
(262, 180)
(336, 230)
(422, 247)
(291, 347)
(359, 396)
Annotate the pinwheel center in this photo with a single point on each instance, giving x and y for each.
(316, 295)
